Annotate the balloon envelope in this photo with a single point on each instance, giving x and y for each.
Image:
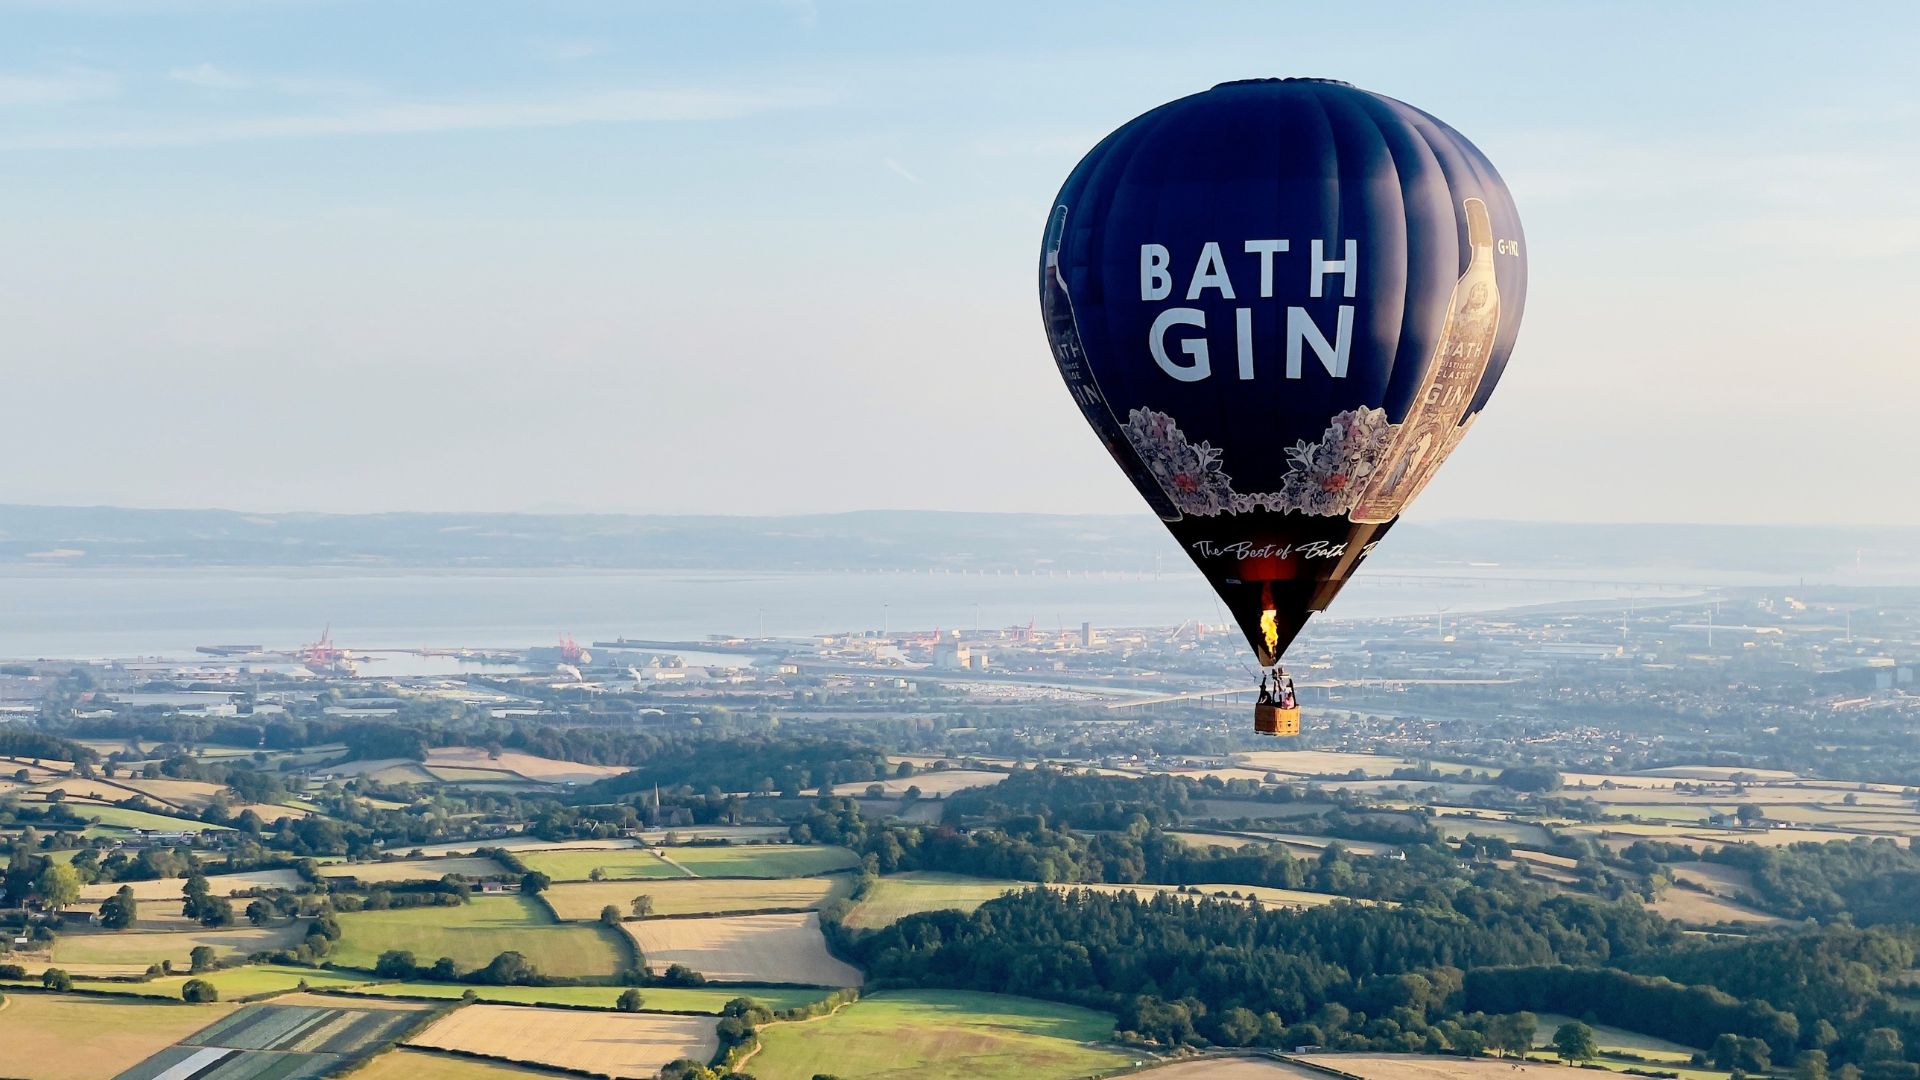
(1280, 304)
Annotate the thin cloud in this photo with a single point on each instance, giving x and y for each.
(898, 169)
(567, 50)
(60, 89)
(208, 77)
(406, 118)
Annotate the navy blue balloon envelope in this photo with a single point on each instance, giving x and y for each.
(1280, 304)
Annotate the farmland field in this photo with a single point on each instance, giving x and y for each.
(943, 782)
(523, 766)
(119, 817)
(172, 888)
(137, 949)
(745, 948)
(1248, 1068)
(1207, 840)
(1413, 1066)
(628, 864)
(720, 860)
(81, 1038)
(232, 983)
(415, 869)
(942, 1035)
(279, 1042)
(1613, 1038)
(1701, 909)
(616, 1044)
(707, 999)
(690, 896)
(897, 896)
(475, 932)
(405, 1064)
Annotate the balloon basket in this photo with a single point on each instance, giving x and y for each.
(1274, 720)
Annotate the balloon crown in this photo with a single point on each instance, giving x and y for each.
(1287, 79)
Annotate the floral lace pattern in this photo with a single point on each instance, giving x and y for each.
(1324, 478)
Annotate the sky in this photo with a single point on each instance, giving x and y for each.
(777, 256)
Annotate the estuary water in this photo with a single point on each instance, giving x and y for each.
(93, 613)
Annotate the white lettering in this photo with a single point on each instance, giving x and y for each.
(1195, 348)
(1266, 249)
(1210, 274)
(1243, 339)
(1349, 268)
(1155, 282)
(1302, 329)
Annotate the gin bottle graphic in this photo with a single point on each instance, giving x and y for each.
(1436, 420)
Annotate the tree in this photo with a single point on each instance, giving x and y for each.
(1574, 1042)
(201, 958)
(56, 979)
(598, 873)
(1810, 1065)
(259, 913)
(533, 882)
(396, 964)
(610, 916)
(216, 911)
(1513, 1032)
(507, 969)
(117, 912)
(642, 906)
(59, 886)
(199, 991)
(631, 1000)
(1748, 813)
(682, 975)
(1882, 1044)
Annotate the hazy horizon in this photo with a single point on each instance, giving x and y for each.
(771, 258)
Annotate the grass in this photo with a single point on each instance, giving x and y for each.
(705, 999)
(695, 896)
(84, 1038)
(941, 1035)
(119, 817)
(475, 933)
(232, 983)
(620, 864)
(897, 896)
(729, 860)
(1613, 1038)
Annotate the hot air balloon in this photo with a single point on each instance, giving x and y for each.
(1281, 303)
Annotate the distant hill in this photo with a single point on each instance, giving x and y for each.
(879, 539)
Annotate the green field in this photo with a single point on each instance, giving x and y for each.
(659, 998)
(943, 1035)
(119, 817)
(733, 860)
(897, 896)
(232, 983)
(476, 932)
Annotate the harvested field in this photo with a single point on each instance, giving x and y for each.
(696, 896)
(1701, 909)
(1214, 840)
(1252, 810)
(897, 896)
(1413, 1066)
(135, 949)
(539, 770)
(1292, 898)
(173, 888)
(474, 933)
(612, 1043)
(415, 869)
(942, 1035)
(1720, 880)
(404, 1063)
(701, 999)
(1312, 846)
(944, 782)
(1246, 1068)
(86, 1038)
(745, 948)
(720, 860)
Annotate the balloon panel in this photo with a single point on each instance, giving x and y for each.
(1281, 304)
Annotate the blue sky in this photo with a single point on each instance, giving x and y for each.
(770, 257)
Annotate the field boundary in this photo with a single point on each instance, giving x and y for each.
(475, 1055)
